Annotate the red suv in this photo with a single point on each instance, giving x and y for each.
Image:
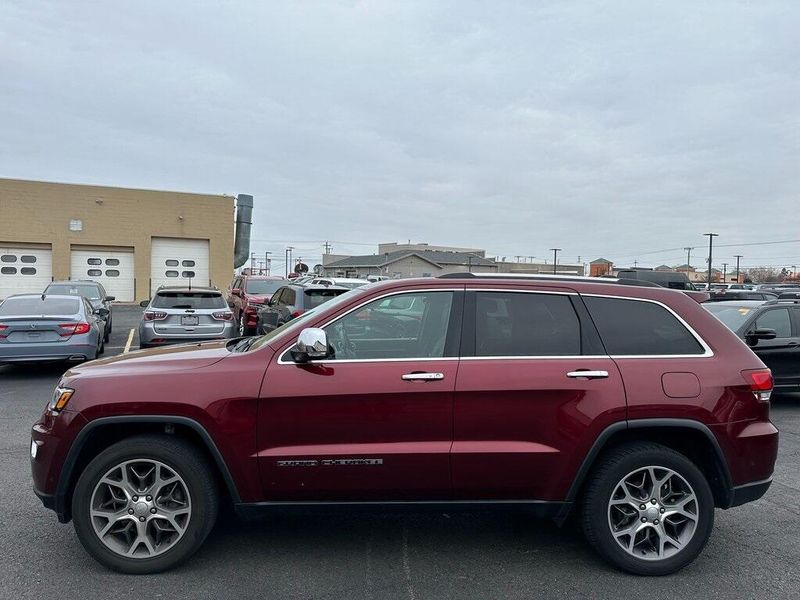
(626, 405)
(249, 293)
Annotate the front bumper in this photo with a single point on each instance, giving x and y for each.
(53, 436)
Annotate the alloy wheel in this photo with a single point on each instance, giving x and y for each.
(653, 513)
(140, 508)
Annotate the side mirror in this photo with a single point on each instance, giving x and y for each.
(752, 336)
(144, 303)
(110, 298)
(312, 344)
(236, 292)
(101, 312)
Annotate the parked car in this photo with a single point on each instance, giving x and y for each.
(630, 406)
(43, 327)
(181, 314)
(303, 279)
(246, 295)
(739, 294)
(347, 282)
(668, 279)
(772, 330)
(94, 292)
(291, 301)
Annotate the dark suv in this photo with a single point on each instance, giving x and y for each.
(628, 406)
(93, 292)
(291, 301)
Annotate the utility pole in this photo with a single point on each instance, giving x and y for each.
(469, 263)
(267, 261)
(724, 272)
(288, 258)
(688, 258)
(328, 247)
(555, 258)
(711, 237)
(738, 257)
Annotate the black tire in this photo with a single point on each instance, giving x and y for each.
(102, 347)
(606, 475)
(185, 460)
(107, 335)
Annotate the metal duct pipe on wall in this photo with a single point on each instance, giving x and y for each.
(244, 221)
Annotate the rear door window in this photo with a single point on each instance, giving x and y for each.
(639, 328)
(525, 324)
(315, 297)
(777, 319)
(189, 300)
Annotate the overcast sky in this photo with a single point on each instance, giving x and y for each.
(609, 129)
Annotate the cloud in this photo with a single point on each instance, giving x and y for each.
(602, 128)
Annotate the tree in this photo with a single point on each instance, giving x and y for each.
(762, 274)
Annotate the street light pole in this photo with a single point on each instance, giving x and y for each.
(688, 258)
(288, 258)
(738, 257)
(711, 237)
(555, 258)
(724, 272)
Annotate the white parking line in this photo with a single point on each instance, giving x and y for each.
(128, 343)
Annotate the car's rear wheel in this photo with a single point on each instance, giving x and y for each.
(145, 504)
(647, 509)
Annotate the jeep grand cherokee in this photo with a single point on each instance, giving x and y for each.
(628, 406)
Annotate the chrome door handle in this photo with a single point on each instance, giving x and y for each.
(588, 374)
(423, 376)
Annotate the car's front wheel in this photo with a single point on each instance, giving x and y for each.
(145, 504)
(647, 509)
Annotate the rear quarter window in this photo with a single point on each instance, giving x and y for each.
(640, 328)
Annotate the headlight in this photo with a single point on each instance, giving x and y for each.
(61, 396)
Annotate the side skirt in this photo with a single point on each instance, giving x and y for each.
(558, 511)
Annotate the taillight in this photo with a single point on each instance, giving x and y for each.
(760, 382)
(3, 334)
(154, 315)
(297, 313)
(223, 315)
(74, 329)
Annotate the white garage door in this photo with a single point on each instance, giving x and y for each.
(24, 270)
(175, 261)
(111, 269)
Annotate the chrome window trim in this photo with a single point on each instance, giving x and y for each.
(707, 351)
(281, 360)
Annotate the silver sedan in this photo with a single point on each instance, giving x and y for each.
(39, 327)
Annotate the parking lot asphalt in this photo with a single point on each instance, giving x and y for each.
(754, 551)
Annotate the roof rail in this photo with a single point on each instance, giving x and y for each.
(783, 300)
(545, 277)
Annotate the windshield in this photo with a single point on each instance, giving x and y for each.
(37, 306)
(195, 300)
(300, 321)
(87, 290)
(263, 286)
(732, 316)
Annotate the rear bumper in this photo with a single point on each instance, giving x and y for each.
(46, 352)
(749, 492)
(147, 335)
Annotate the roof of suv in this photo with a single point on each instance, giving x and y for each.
(188, 290)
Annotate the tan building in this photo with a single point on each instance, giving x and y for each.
(129, 240)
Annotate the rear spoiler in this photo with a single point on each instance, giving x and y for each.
(699, 297)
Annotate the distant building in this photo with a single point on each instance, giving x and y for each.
(408, 263)
(600, 267)
(533, 268)
(664, 268)
(389, 247)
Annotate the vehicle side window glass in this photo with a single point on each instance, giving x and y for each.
(276, 297)
(288, 297)
(374, 331)
(525, 324)
(777, 319)
(637, 328)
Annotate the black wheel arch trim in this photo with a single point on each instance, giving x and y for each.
(66, 475)
(602, 440)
